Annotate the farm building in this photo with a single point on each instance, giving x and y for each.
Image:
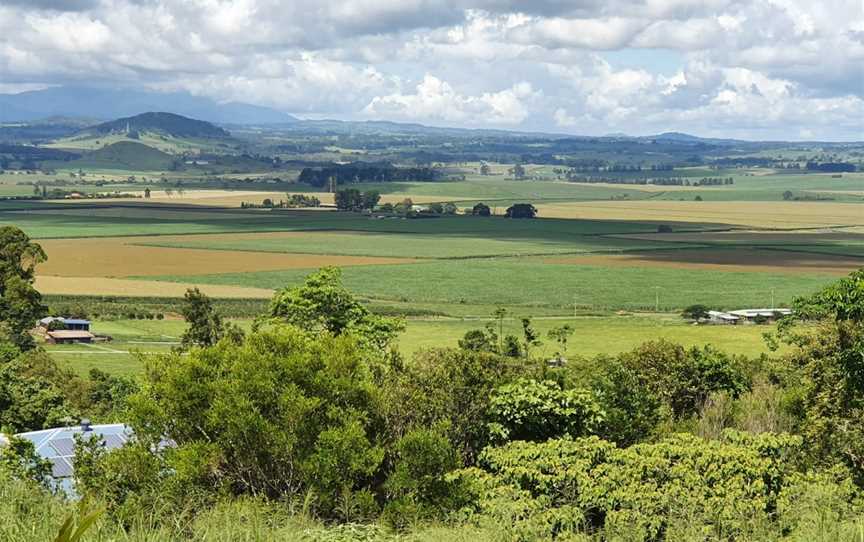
(747, 316)
(74, 324)
(68, 336)
(58, 330)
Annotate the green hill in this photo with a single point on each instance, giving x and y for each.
(163, 123)
(126, 155)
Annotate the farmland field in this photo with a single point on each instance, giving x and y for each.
(586, 253)
(134, 337)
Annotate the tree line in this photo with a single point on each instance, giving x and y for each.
(365, 172)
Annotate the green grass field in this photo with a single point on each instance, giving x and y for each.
(513, 282)
(598, 335)
(431, 245)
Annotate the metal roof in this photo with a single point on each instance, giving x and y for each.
(70, 334)
(58, 446)
(76, 321)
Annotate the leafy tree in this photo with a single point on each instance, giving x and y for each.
(684, 378)
(20, 304)
(530, 338)
(481, 209)
(537, 411)
(485, 169)
(147, 192)
(282, 413)
(347, 199)
(322, 303)
(633, 407)
(669, 490)
(449, 208)
(351, 199)
(696, 312)
(18, 457)
(450, 387)
(418, 487)
(561, 335)
(477, 340)
(205, 324)
(830, 371)
(518, 172)
(369, 199)
(521, 210)
(788, 195)
(28, 401)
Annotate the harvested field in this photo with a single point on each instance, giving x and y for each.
(140, 288)
(779, 215)
(118, 257)
(851, 236)
(738, 259)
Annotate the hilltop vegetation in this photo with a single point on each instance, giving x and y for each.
(129, 155)
(164, 123)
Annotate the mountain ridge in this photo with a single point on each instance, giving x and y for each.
(106, 104)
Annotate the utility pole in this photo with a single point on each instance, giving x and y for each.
(772, 298)
(575, 310)
(656, 299)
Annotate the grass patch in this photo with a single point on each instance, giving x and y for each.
(530, 283)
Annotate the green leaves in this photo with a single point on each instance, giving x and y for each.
(651, 489)
(537, 411)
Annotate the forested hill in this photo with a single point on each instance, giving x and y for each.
(166, 123)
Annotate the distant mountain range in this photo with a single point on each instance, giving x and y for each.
(164, 123)
(105, 104)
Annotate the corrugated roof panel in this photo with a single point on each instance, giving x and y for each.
(61, 467)
(63, 446)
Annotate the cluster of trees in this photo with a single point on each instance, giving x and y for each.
(315, 410)
(351, 199)
(365, 172)
(294, 201)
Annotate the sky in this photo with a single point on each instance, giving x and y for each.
(757, 69)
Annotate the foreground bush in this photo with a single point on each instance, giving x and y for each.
(681, 488)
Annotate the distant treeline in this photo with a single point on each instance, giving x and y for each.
(595, 165)
(659, 181)
(366, 172)
(831, 167)
(28, 157)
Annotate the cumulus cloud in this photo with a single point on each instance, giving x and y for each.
(761, 68)
(437, 101)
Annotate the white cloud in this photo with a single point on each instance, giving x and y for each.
(435, 100)
(767, 68)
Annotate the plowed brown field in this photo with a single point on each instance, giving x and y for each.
(747, 260)
(118, 257)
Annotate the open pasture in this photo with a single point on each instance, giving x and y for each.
(527, 283)
(590, 338)
(438, 245)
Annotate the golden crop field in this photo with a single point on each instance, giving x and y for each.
(737, 259)
(119, 257)
(140, 288)
(769, 214)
